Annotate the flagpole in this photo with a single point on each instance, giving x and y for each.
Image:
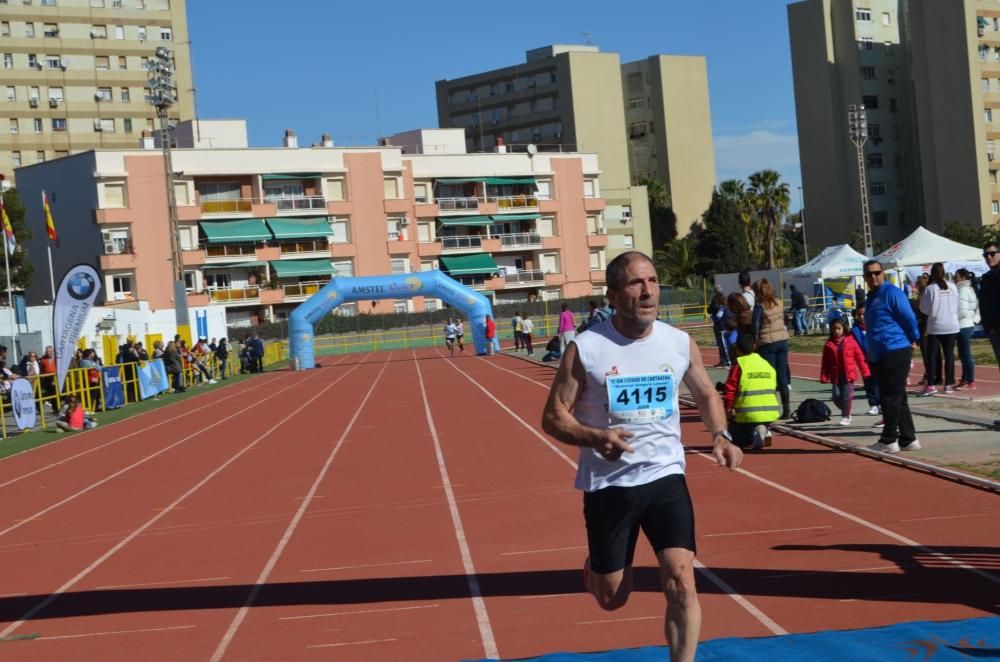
(10, 302)
(52, 278)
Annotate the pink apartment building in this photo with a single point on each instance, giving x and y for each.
(262, 229)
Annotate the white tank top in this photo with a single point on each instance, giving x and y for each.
(649, 370)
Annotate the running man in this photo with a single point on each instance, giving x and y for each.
(615, 396)
(449, 336)
(459, 332)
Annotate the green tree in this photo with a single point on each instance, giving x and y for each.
(970, 235)
(20, 269)
(677, 263)
(769, 200)
(737, 191)
(791, 253)
(722, 247)
(662, 219)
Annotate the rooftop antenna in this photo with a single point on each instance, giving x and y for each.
(586, 39)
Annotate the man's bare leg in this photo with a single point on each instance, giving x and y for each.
(683, 621)
(612, 589)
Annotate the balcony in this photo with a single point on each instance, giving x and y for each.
(302, 291)
(230, 252)
(463, 243)
(458, 204)
(519, 240)
(227, 206)
(297, 204)
(525, 278)
(511, 203)
(239, 295)
(477, 283)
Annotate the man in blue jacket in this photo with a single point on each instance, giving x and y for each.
(892, 336)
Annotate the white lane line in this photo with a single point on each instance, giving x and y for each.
(882, 597)
(806, 573)
(751, 533)
(144, 460)
(548, 595)
(865, 523)
(12, 595)
(478, 604)
(354, 613)
(112, 632)
(156, 518)
(621, 620)
(241, 615)
(542, 551)
(213, 403)
(937, 517)
(352, 643)
(366, 565)
(764, 620)
(176, 581)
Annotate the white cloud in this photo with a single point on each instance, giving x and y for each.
(742, 154)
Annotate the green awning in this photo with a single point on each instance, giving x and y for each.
(981, 22)
(300, 228)
(448, 221)
(509, 181)
(467, 265)
(290, 268)
(291, 175)
(515, 217)
(230, 232)
(234, 265)
(452, 180)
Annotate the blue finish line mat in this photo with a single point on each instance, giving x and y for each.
(966, 640)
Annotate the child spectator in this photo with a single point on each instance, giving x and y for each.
(842, 360)
(491, 335)
(749, 396)
(860, 333)
(73, 418)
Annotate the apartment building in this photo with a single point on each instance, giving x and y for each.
(263, 229)
(74, 74)
(928, 73)
(572, 97)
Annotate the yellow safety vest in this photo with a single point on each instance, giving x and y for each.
(756, 401)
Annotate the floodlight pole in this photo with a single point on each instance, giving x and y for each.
(162, 96)
(802, 222)
(857, 125)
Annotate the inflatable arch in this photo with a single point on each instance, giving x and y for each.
(338, 291)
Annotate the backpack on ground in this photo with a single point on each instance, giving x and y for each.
(812, 410)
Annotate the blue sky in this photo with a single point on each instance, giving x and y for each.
(315, 65)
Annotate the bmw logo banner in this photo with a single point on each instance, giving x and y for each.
(74, 299)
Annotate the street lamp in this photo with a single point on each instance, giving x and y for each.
(802, 222)
(162, 95)
(857, 126)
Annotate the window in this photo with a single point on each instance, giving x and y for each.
(53, 62)
(628, 241)
(56, 93)
(96, 3)
(875, 132)
(58, 124)
(216, 191)
(4, 28)
(866, 44)
(15, 159)
(60, 153)
(29, 29)
(870, 101)
(122, 63)
(400, 265)
(48, 3)
(15, 127)
(104, 126)
(126, 97)
(867, 73)
(217, 281)
(420, 192)
(188, 237)
(341, 231)
(142, 32)
(863, 14)
(590, 188)
(988, 115)
(181, 195)
(544, 187)
(984, 83)
(893, 105)
(401, 306)
(549, 262)
(395, 228)
(877, 188)
(342, 268)
(33, 61)
(99, 32)
(880, 218)
(189, 281)
(103, 94)
(8, 61)
(11, 93)
(114, 195)
(993, 176)
(119, 32)
(36, 124)
(984, 52)
(432, 305)
(875, 160)
(116, 241)
(996, 206)
(597, 260)
(335, 189)
(102, 63)
(166, 34)
(886, 18)
(127, 125)
(391, 186)
(428, 265)
(121, 287)
(546, 226)
(50, 30)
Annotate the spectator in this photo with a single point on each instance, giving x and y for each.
(72, 418)
(597, 314)
(772, 336)
(90, 363)
(199, 359)
(29, 365)
(6, 378)
(567, 327)
(172, 364)
(553, 350)
(836, 310)
(527, 326)
(222, 356)
(606, 308)
(859, 297)
(842, 360)
(892, 336)
(742, 312)
(258, 351)
(989, 296)
(919, 287)
(212, 346)
(515, 323)
(940, 303)
(244, 354)
(719, 313)
(748, 396)
(799, 310)
(47, 370)
(968, 318)
(746, 290)
(860, 333)
(74, 362)
(491, 335)
(157, 349)
(141, 352)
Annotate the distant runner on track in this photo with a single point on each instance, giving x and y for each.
(615, 397)
(450, 331)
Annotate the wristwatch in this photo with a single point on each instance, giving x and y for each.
(722, 433)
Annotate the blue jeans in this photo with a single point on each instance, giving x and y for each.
(720, 342)
(965, 354)
(843, 397)
(799, 319)
(776, 353)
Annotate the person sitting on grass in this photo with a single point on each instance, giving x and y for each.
(73, 418)
(553, 350)
(749, 396)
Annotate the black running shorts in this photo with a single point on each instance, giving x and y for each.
(662, 508)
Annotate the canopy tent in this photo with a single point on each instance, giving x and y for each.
(923, 247)
(834, 262)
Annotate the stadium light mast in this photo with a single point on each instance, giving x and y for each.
(857, 126)
(162, 95)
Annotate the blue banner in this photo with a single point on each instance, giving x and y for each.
(114, 393)
(20, 312)
(152, 379)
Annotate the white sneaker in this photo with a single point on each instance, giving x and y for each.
(845, 421)
(879, 447)
(212, 381)
(874, 411)
(912, 446)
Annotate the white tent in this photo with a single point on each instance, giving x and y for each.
(834, 262)
(923, 248)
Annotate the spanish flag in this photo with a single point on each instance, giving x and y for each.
(50, 227)
(8, 229)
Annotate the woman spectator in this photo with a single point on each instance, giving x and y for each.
(919, 287)
(968, 318)
(172, 364)
(940, 303)
(157, 349)
(222, 355)
(742, 311)
(88, 362)
(718, 312)
(772, 336)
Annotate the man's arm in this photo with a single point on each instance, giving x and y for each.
(558, 419)
(710, 407)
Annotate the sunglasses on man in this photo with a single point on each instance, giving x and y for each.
(989, 254)
(873, 274)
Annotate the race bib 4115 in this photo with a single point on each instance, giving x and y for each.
(640, 398)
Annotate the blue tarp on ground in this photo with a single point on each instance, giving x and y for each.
(972, 639)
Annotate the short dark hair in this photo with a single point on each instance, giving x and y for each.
(744, 278)
(990, 243)
(615, 272)
(869, 263)
(745, 343)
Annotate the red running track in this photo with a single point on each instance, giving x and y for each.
(404, 505)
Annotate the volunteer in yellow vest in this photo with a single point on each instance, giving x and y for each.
(749, 396)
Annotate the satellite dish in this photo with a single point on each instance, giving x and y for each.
(532, 149)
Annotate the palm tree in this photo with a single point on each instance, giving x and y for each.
(677, 263)
(737, 191)
(770, 201)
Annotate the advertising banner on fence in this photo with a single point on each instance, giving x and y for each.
(22, 401)
(152, 379)
(74, 299)
(114, 393)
